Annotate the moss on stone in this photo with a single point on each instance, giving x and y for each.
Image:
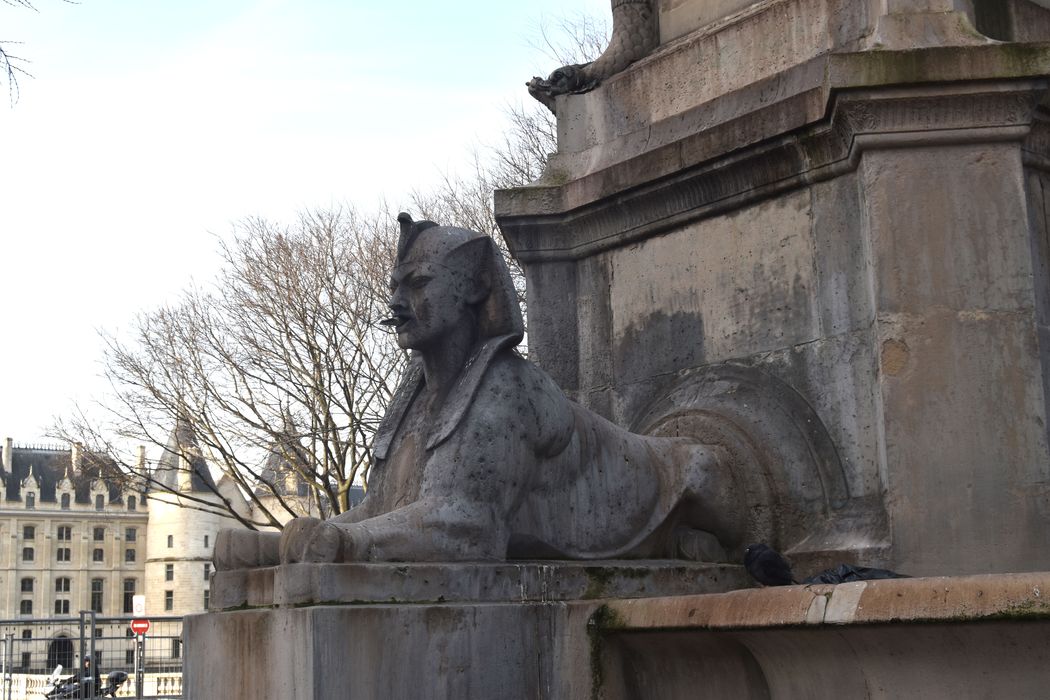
(601, 621)
(598, 578)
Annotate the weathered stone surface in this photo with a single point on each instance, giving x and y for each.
(974, 636)
(885, 261)
(522, 582)
(679, 17)
(430, 652)
(481, 457)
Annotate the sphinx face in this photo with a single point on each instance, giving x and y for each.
(430, 304)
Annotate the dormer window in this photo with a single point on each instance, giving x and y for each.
(30, 500)
(100, 502)
(131, 503)
(65, 501)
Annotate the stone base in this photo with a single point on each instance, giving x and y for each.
(454, 651)
(507, 630)
(975, 636)
(930, 638)
(511, 582)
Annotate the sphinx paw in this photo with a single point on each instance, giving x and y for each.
(245, 549)
(313, 540)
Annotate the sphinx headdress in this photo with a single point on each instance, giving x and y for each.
(475, 255)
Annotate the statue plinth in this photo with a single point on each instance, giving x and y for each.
(950, 636)
(505, 582)
(507, 630)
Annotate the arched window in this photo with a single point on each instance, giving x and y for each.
(30, 500)
(60, 653)
(65, 501)
(100, 502)
(131, 503)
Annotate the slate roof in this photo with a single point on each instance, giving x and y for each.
(285, 459)
(182, 441)
(49, 466)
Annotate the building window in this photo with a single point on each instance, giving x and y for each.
(64, 554)
(29, 532)
(129, 556)
(98, 554)
(132, 503)
(100, 502)
(27, 554)
(207, 571)
(129, 657)
(25, 607)
(98, 534)
(61, 607)
(65, 501)
(27, 585)
(169, 600)
(130, 534)
(207, 598)
(206, 545)
(96, 595)
(65, 533)
(129, 595)
(62, 584)
(169, 572)
(171, 541)
(176, 648)
(30, 500)
(27, 634)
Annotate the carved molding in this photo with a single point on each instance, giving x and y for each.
(620, 212)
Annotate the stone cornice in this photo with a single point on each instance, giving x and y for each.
(635, 199)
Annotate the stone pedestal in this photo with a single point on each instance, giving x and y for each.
(935, 638)
(863, 218)
(418, 630)
(977, 636)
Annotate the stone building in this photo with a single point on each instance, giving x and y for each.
(182, 527)
(72, 538)
(76, 534)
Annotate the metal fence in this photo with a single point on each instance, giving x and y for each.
(33, 647)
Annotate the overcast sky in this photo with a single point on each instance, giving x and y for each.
(150, 126)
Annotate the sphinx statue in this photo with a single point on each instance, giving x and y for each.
(481, 457)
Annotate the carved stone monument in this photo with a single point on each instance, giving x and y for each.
(788, 282)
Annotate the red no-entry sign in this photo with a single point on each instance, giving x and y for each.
(140, 626)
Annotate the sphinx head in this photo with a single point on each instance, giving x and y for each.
(449, 282)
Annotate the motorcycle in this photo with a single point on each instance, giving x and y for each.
(58, 688)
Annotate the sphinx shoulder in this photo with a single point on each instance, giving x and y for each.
(523, 397)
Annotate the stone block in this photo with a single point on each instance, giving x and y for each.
(418, 630)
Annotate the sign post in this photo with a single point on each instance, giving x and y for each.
(9, 640)
(140, 626)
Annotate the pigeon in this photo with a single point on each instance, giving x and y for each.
(767, 566)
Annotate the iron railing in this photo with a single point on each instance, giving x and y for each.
(33, 647)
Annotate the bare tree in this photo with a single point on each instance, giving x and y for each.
(283, 352)
(13, 67)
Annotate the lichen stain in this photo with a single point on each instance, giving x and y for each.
(895, 354)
